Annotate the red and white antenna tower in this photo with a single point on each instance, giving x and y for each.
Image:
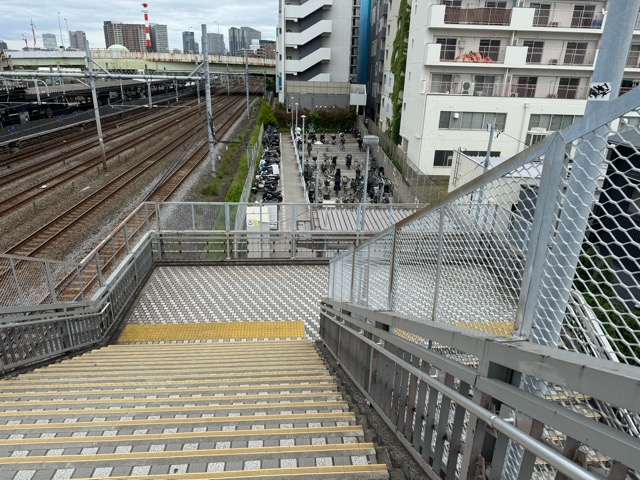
(33, 32)
(147, 32)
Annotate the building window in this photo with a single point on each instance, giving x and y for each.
(541, 15)
(575, 53)
(526, 86)
(551, 123)
(490, 48)
(471, 120)
(634, 56)
(568, 87)
(627, 85)
(448, 48)
(534, 53)
(441, 82)
(483, 85)
(495, 4)
(443, 158)
(583, 15)
(452, 3)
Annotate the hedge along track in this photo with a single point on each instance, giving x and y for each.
(55, 230)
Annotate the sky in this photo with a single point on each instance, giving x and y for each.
(89, 15)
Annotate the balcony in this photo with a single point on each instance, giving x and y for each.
(477, 16)
(494, 89)
(567, 56)
(296, 12)
(323, 27)
(551, 15)
(471, 55)
(568, 17)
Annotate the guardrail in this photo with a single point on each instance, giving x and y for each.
(48, 308)
(542, 249)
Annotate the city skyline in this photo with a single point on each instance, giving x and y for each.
(188, 16)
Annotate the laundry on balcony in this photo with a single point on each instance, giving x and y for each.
(473, 57)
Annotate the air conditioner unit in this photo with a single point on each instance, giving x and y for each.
(467, 88)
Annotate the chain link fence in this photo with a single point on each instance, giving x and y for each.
(544, 247)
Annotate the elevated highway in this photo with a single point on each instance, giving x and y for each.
(134, 62)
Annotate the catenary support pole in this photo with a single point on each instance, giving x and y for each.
(96, 106)
(207, 91)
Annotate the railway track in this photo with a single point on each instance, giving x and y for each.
(27, 176)
(55, 229)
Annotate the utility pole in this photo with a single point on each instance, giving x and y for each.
(246, 70)
(96, 107)
(207, 92)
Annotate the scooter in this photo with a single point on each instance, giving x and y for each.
(269, 195)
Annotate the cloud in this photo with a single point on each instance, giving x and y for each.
(89, 16)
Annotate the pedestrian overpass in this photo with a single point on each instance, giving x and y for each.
(495, 331)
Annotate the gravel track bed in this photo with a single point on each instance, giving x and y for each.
(75, 245)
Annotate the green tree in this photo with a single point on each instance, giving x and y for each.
(266, 115)
(594, 278)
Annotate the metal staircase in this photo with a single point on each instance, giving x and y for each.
(251, 409)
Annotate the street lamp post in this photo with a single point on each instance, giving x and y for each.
(317, 144)
(304, 146)
(296, 116)
(291, 107)
(60, 28)
(369, 141)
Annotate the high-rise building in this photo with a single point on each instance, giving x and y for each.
(525, 67)
(159, 38)
(3, 45)
(235, 40)
(77, 39)
(216, 43)
(249, 36)
(49, 41)
(189, 42)
(317, 42)
(130, 35)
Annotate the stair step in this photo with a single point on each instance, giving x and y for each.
(201, 437)
(355, 472)
(161, 390)
(148, 402)
(170, 456)
(305, 418)
(219, 379)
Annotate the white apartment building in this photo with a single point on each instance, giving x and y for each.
(316, 52)
(522, 64)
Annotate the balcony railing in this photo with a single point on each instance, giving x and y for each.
(507, 90)
(561, 56)
(474, 54)
(477, 16)
(560, 16)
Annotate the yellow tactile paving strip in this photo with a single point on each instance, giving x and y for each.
(211, 331)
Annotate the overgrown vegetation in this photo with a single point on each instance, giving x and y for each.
(266, 115)
(398, 65)
(595, 276)
(326, 119)
(232, 166)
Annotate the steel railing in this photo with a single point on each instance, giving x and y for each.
(543, 248)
